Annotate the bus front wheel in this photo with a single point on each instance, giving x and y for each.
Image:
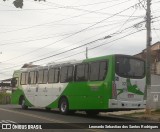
(64, 106)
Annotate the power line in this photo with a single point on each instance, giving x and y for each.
(103, 20)
(98, 46)
(93, 3)
(78, 31)
(30, 27)
(63, 52)
(84, 10)
(84, 51)
(67, 46)
(56, 35)
(31, 40)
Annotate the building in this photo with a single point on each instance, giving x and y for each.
(155, 58)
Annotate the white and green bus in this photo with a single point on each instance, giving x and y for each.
(107, 83)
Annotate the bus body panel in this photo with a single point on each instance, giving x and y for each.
(87, 95)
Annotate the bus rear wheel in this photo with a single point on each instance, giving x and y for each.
(64, 106)
(23, 105)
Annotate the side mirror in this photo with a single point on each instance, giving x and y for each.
(13, 82)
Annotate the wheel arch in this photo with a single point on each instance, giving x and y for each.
(20, 99)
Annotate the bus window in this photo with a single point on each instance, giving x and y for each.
(24, 76)
(45, 76)
(103, 70)
(31, 77)
(64, 74)
(98, 70)
(56, 75)
(35, 77)
(130, 67)
(51, 75)
(40, 76)
(70, 74)
(81, 72)
(94, 71)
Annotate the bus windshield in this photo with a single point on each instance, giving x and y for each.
(130, 67)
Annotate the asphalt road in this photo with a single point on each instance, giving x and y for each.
(13, 114)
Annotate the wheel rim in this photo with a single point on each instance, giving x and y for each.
(63, 106)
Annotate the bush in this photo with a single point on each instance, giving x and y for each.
(5, 98)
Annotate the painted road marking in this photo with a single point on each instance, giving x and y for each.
(36, 116)
(7, 121)
(11, 121)
(3, 121)
(48, 119)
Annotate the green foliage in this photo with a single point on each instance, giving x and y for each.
(157, 111)
(5, 98)
(19, 3)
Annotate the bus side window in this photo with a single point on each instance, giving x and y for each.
(23, 78)
(35, 77)
(51, 75)
(70, 74)
(45, 76)
(63, 76)
(66, 74)
(56, 75)
(94, 71)
(103, 70)
(40, 76)
(26, 79)
(31, 77)
(98, 70)
(81, 72)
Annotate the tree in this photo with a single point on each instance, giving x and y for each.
(19, 3)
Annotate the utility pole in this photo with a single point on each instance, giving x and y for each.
(106, 37)
(148, 57)
(86, 52)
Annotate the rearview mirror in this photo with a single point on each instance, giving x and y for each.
(13, 82)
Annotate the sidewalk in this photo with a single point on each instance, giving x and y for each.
(139, 114)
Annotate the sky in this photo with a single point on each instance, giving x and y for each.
(52, 29)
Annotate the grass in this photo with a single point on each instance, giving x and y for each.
(157, 111)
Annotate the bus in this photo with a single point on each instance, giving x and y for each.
(106, 83)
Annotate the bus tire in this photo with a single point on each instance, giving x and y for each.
(92, 112)
(23, 105)
(64, 106)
